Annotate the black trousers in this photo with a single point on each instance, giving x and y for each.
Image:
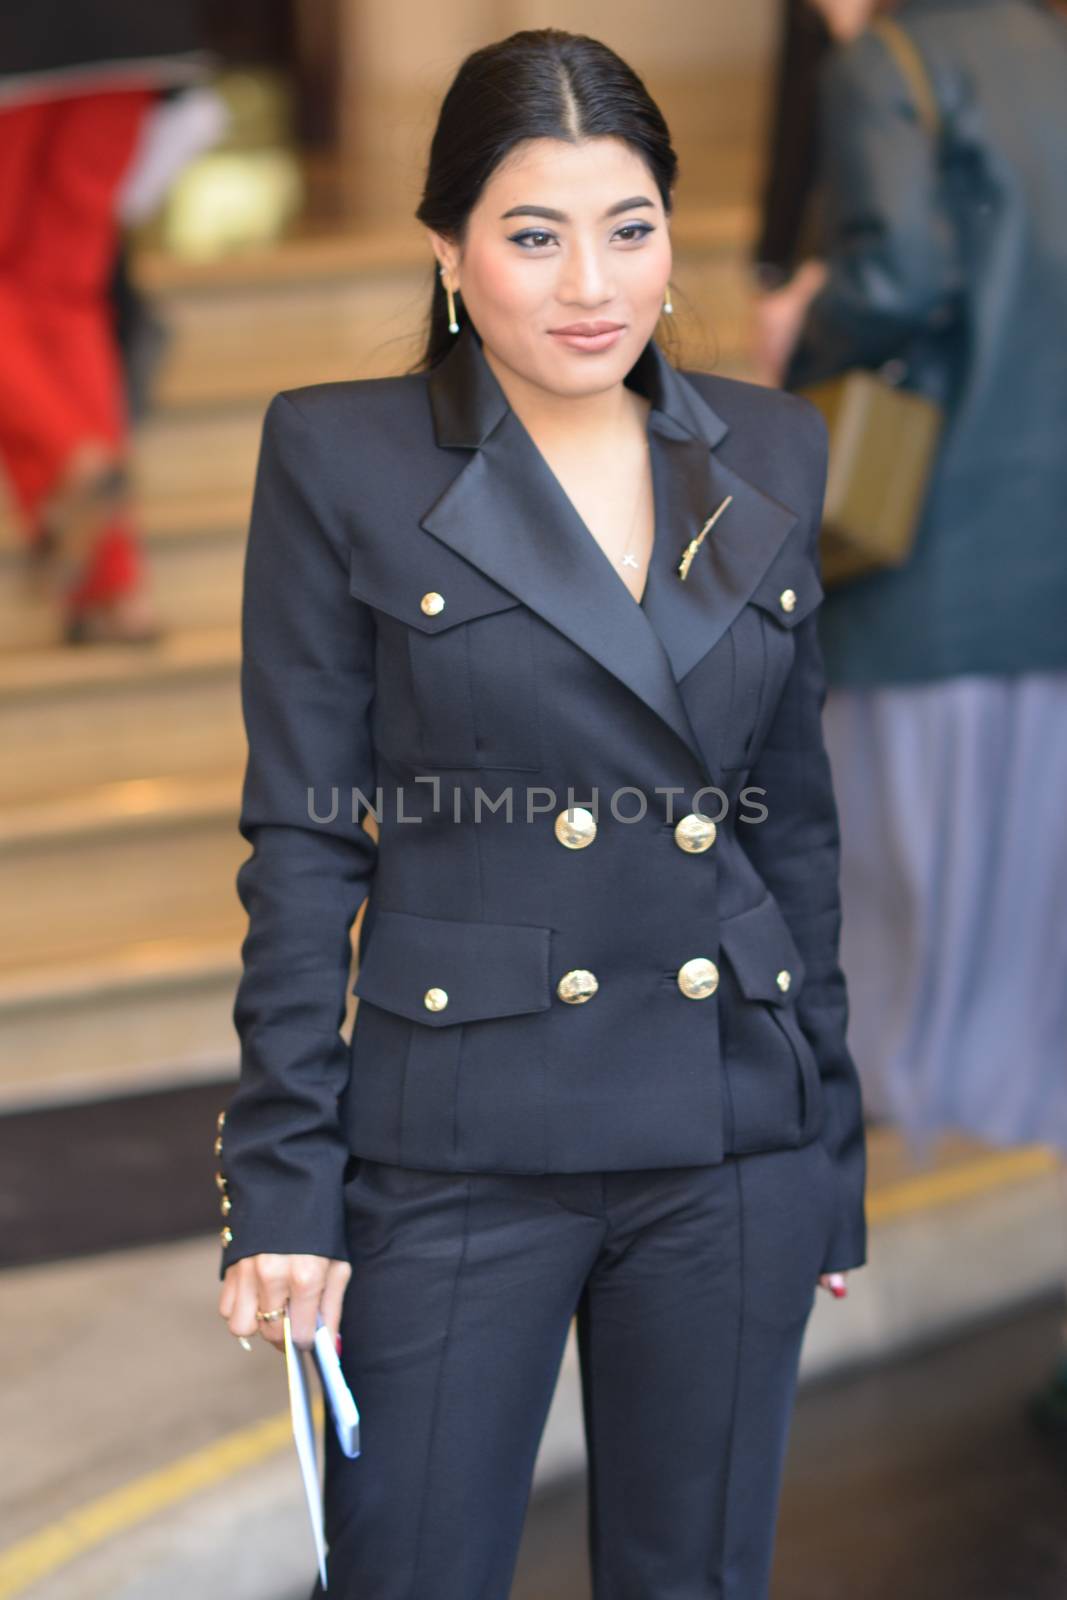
(692, 1288)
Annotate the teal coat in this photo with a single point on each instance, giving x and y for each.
(968, 279)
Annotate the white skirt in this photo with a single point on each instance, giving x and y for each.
(952, 799)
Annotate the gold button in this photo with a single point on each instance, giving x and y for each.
(220, 1121)
(218, 1144)
(576, 827)
(787, 599)
(698, 978)
(577, 986)
(695, 832)
(226, 1235)
(432, 603)
(435, 999)
(220, 1181)
(783, 980)
(225, 1205)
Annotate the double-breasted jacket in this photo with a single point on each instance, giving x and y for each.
(602, 914)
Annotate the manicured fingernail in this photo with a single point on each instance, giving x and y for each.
(246, 1344)
(338, 1344)
(837, 1285)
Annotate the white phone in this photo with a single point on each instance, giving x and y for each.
(339, 1397)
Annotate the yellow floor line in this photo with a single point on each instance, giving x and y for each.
(941, 1186)
(42, 1553)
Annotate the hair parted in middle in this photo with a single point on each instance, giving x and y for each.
(539, 83)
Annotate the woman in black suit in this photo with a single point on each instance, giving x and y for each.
(546, 605)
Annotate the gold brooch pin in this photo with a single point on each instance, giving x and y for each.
(694, 544)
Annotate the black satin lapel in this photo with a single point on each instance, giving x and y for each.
(690, 615)
(508, 514)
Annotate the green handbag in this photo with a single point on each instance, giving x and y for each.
(883, 438)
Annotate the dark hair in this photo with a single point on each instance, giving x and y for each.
(538, 83)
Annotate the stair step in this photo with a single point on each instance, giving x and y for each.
(70, 719)
(116, 863)
(152, 1014)
(206, 453)
(189, 517)
(195, 580)
(194, 546)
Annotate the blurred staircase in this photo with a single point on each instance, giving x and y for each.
(119, 920)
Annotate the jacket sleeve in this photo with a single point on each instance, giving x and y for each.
(307, 686)
(890, 248)
(796, 850)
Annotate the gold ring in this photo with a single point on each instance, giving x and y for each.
(270, 1316)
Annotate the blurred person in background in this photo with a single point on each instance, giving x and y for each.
(946, 717)
(787, 217)
(76, 86)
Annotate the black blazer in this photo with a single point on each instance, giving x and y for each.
(426, 615)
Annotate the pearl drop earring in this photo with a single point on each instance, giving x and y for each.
(453, 325)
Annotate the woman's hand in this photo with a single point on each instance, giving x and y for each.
(308, 1284)
(835, 1282)
(777, 317)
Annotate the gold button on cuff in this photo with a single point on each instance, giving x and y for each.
(576, 828)
(787, 599)
(226, 1235)
(435, 999)
(432, 603)
(783, 980)
(695, 833)
(220, 1181)
(218, 1144)
(698, 978)
(225, 1205)
(220, 1121)
(577, 986)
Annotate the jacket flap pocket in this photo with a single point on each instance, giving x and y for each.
(459, 595)
(789, 591)
(763, 953)
(437, 971)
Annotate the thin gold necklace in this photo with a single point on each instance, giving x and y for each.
(626, 559)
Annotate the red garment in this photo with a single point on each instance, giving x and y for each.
(61, 164)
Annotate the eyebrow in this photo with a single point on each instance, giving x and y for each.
(561, 216)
